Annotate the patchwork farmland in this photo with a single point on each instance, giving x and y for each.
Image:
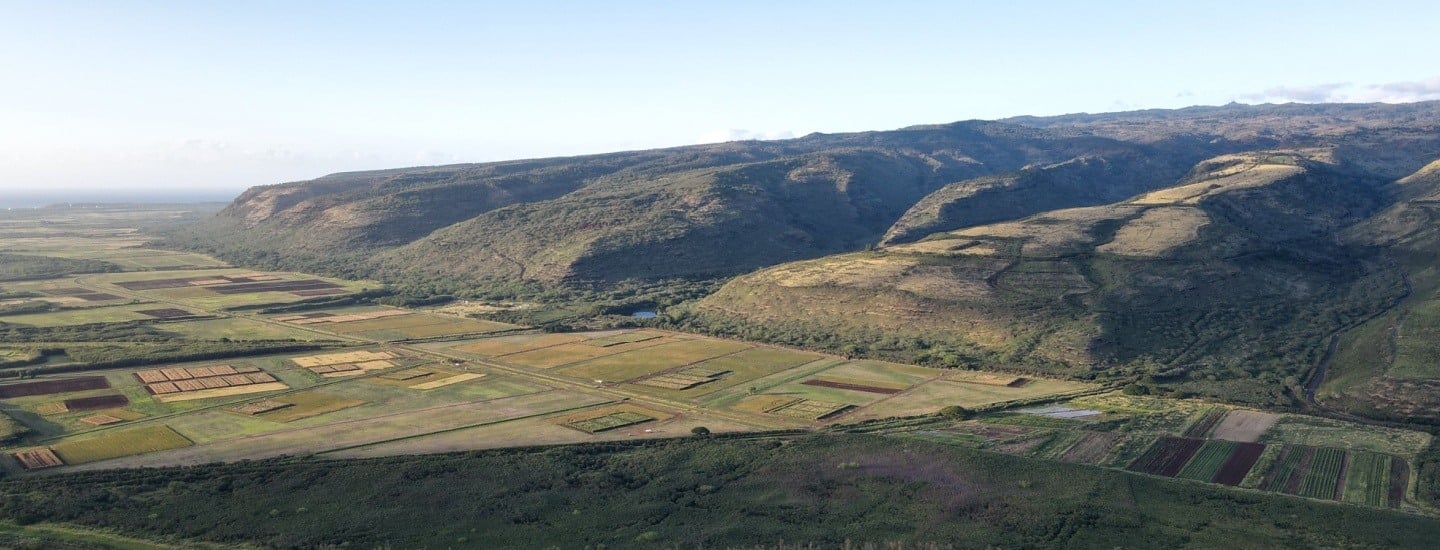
(391, 381)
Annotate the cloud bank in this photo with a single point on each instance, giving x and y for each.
(735, 134)
(1350, 92)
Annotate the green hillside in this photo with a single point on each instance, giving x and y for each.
(720, 210)
(824, 491)
(1230, 278)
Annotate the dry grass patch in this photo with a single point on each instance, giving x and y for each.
(1244, 425)
(1240, 176)
(346, 357)
(1157, 232)
(221, 392)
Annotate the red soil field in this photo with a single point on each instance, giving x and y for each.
(1167, 456)
(36, 459)
(96, 403)
(855, 387)
(48, 387)
(1239, 464)
(1399, 480)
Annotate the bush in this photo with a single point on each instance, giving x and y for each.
(700, 431)
(955, 412)
(1136, 389)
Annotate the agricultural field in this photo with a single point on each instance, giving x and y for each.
(236, 328)
(1323, 475)
(92, 315)
(1206, 463)
(143, 259)
(116, 444)
(222, 289)
(1368, 479)
(628, 365)
(413, 326)
(1323, 432)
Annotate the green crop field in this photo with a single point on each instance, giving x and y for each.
(119, 443)
(506, 345)
(627, 365)
(238, 329)
(142, 259)
(564, 354)
(1207, 461)
(1324, 474)
(308, 404)
(1368, 479)
(84, 316)
(1285, 468)
(743, 367)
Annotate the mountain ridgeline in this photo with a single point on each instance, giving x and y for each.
(1210, 250)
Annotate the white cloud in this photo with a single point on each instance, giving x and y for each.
(735, 134)
(1348, 92)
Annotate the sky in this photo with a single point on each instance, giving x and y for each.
(218, 96)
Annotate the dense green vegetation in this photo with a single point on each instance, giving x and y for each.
(823, 490)
(20, 267)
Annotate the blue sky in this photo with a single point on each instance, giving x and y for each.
(225, 95)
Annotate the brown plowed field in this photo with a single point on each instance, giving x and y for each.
(1091, 448)
(96, 403)
(48, 387)
(1167, 456)
(1239, 464)
(1399, 481)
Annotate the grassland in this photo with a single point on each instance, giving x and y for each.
(415, 325)
(1322, 432)
(84, 316)
(632, 364)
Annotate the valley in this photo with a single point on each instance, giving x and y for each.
(322, 373)
(1234, 319)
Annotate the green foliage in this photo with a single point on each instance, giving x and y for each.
(759, 492)
(1136, 389)
(955, 412)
